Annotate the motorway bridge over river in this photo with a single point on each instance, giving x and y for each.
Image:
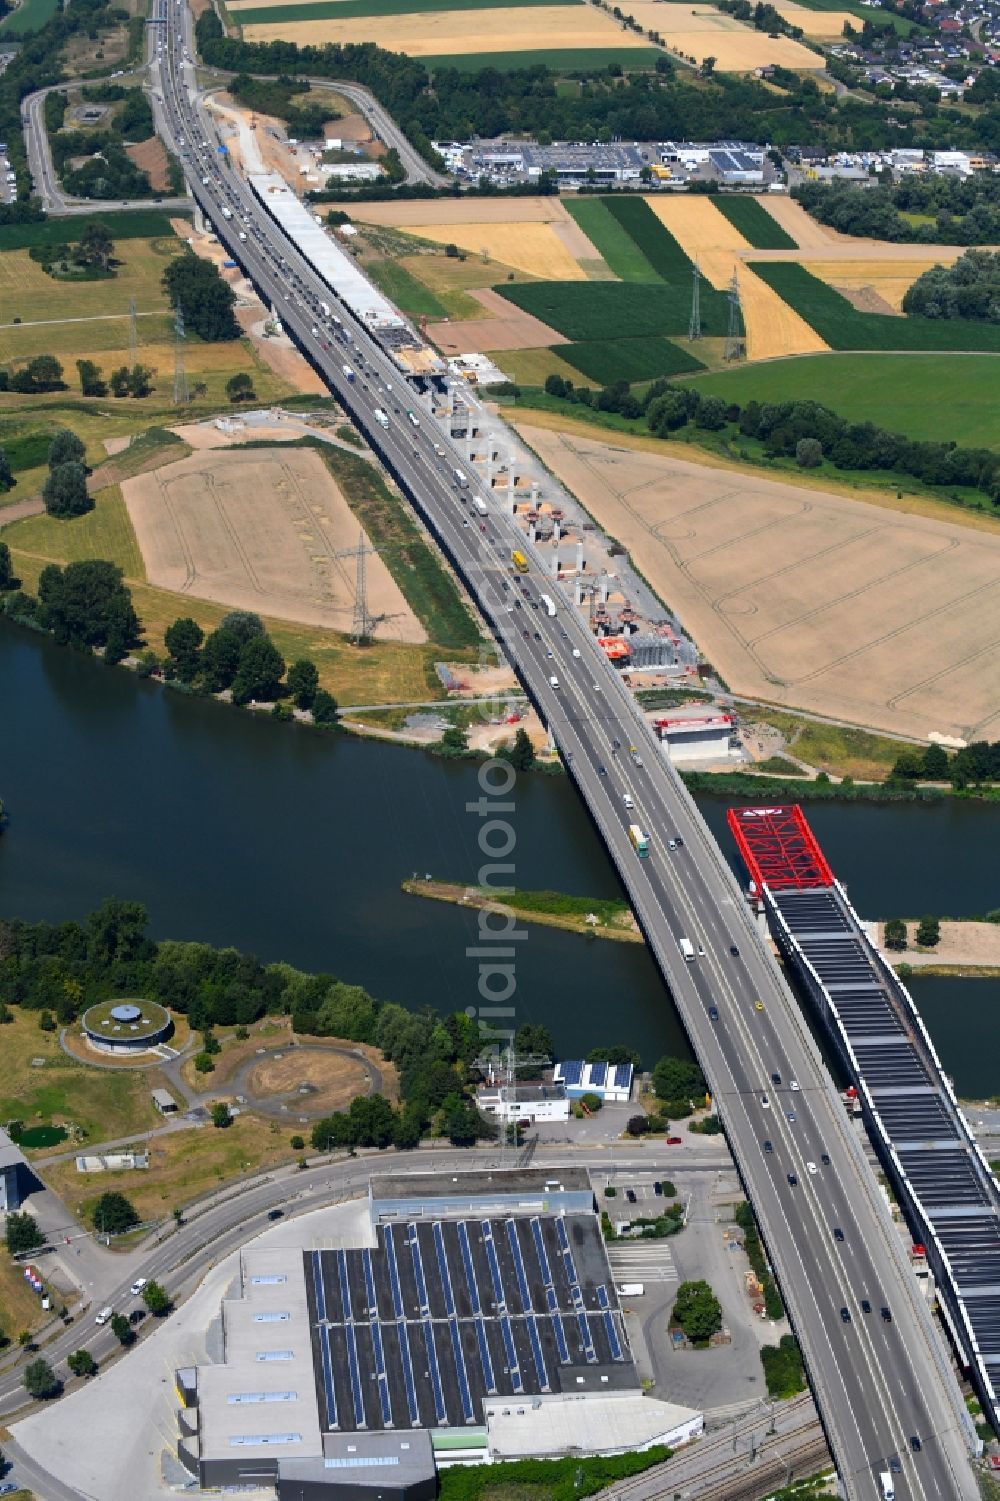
(874, 1385)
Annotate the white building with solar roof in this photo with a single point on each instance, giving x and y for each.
(480, 1321)
(611, 1082)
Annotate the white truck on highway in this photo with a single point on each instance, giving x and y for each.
(461, 480)
(687, 949)
(227, 213)
(888, 1489)
(480, 506)
(324, 308)
(549, 604)
(381, 418)
(348, 373)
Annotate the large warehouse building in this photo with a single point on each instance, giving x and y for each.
(481, 1323)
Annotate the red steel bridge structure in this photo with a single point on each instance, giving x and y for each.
(779, 848)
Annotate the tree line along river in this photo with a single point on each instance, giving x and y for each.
(238, 830)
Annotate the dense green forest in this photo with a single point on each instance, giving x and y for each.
(968, 289)
(942, 210)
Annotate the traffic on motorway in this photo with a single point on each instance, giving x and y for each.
(888, 1400)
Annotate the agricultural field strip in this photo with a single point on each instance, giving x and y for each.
(633, 58)
(703, 31)
(710, 238)
(524, 29)
(265, 11)
(530, 247)
(638, 359)
(843, 327)
(758, 228)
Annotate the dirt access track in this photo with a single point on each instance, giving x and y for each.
(261, 530)
(805, 598)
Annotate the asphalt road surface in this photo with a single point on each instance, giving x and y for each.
(877, 1383)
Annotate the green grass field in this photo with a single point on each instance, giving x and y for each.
(345, 10)
(615, 244)
(557, 60)
(144, 224)
(651, 237)
(753, 222)
(843, 327)
(30, 15)
(103, 1103)
(592, 310)
(29, 295)
(640, 359)
(944, 397)
(104, 532)
(403, 288)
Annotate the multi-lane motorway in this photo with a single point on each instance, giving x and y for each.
(880, 1383)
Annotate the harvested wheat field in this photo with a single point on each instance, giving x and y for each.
(261, 531)
(773, 329)
(407, 214)
(803, 597)
(435, 33)
(534, 248)
(888, 280)
(825, 25)
(702, 31)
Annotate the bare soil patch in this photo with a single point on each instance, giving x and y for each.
(506, 327)
(261, 530)
(151, 156)
(969, 943)
(280, 354)
(804, 597)
(331, 1080)
(867, 300)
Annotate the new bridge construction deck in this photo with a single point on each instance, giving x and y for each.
(942, 1181)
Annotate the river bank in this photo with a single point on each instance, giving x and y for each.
(593, 917)
(966, 947)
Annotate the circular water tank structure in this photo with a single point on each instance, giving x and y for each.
(126, 1026)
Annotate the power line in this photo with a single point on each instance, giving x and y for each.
(133, 335)
(734, 333)
(181, 393)
(694, 326)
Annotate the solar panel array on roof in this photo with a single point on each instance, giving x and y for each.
(418, 1331)
(952, 1194)
(571, 1072)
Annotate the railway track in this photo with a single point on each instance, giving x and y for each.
(794, 1454)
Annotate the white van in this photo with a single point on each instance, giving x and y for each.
(104, 1315)
(628, 801)
(554, 682)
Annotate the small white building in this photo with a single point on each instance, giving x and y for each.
(611, 1082)
(353, 171)
(586, 1423)
(696, 737)
(524, 1102)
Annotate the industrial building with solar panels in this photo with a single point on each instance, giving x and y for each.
(479, 1322)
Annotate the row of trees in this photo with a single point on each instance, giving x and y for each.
(976, 764)
(240, 657)
(89, 606)
(952, 210)
(801, 430)
(45, 373)
(928, 933)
